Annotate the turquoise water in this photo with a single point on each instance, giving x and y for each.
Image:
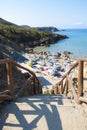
(76, 43)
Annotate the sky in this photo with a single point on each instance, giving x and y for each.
(39, 13)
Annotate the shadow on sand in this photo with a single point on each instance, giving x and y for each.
(30, 113)
(44, 81)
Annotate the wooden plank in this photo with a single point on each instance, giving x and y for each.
(73, 89)
(72, 67)
(5, 97)
(66, 87)
(61, 88)
(22, 87)
(83, 99)
(22, 67)
(83, 59)
(10, 77)
(5, 92)
(80, 79)
(4, 61)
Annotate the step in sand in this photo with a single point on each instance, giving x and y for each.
(43, 112)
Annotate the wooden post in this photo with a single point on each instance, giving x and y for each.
(66, 88)
(34, 86)
(80, 80)
(38, 86)
(9, 77)
(61, 88)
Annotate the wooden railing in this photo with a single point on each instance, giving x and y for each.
(62, 86)
(9, 93)
(66, 82)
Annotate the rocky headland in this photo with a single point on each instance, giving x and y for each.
(15, 38)
(47, 29)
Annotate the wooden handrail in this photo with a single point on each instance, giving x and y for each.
(73, 90)
(22, 88)
(83, 59)
(77, 96)
(22, 67)
(83, 99)
(10, 77)
(80, 80)
(72, 67)
(4, 61)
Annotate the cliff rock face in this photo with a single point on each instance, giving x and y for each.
(49, 40)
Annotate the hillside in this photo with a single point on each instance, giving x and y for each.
(2, 21)
(15, 38)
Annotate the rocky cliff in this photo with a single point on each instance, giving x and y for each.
(14, 38)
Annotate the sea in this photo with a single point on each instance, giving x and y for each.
(76, 43)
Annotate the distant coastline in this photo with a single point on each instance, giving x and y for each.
(47, 29)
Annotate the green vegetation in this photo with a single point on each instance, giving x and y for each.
(19, 34)
(14, 38)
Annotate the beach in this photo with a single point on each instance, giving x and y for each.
(48, 67)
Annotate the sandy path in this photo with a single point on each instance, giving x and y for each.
(44, 113)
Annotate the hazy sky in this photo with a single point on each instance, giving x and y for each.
(59, 13)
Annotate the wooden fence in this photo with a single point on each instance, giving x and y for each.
(66, 82)
(61, 87)
(9, 93)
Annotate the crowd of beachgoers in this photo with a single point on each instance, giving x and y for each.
(52, 66)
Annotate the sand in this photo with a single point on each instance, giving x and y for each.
(45, 112)
(43, 64)
(49, 68)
